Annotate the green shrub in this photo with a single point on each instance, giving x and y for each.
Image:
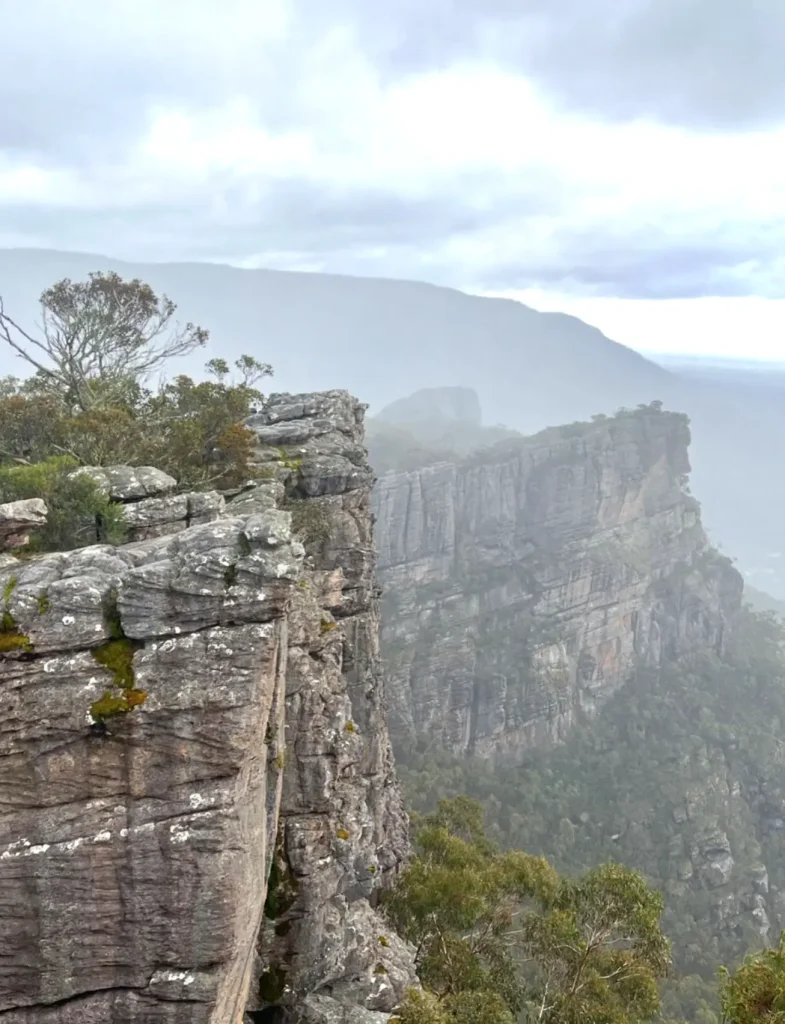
(78, 513)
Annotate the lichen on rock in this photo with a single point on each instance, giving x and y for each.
(199, 645)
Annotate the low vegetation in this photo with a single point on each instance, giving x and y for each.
(89, 401)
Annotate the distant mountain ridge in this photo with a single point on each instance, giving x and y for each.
(377, 338)
(384, 339)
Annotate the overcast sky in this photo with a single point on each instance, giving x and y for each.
(620, 159)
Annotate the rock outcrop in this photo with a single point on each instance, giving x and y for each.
(185, 716)
(342, 832)
(523, 585)
(151, 508)
(18, 520)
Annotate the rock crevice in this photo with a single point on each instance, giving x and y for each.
(136, 838)
(523, 585)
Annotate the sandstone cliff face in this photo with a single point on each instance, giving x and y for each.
(342, 831)
(522, 586)
(135, 847)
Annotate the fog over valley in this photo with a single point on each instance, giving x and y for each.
(392, 512)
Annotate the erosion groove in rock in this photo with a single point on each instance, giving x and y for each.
(523, 586)
(134, 851)
(342, 831)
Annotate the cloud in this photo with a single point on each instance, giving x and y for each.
(590, 147)
(706, 63)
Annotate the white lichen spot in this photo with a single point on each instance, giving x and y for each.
(34, 850)
(179, 833)
(15, 849)
(123, 833)
(68, 620)
(98, 628)
(189, 979)
(74, 844)
(167, 975)
(196, 800)
(102, 837)
(177, 630)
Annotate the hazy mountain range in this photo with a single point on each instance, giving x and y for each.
(384, 339)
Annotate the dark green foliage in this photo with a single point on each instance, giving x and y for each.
(271, 984)
(310, 520)
(619, 790)
(12, 640)
(118, 657)
(99, 343)
(500, 936)
(11, 637)
(755, 992)
(78, 513)
(281, 885)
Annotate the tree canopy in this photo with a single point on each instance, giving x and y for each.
(99, 338)
(502, 937)
(755, 992)
(91, 401)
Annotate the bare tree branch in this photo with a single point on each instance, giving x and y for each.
(99, 335)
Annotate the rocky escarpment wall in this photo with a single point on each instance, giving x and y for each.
(342, 832)
(156, 701)
(524, 584)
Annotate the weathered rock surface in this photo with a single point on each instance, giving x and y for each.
(135, 848)
(150, 506)
(130, 483)
(343, 832)
(132, 861)
(18, 519)
(524, 585)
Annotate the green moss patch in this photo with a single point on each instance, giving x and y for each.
(9, 588)
(118, 657)
(12, 639)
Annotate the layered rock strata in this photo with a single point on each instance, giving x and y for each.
(153, 699)
(524, 585)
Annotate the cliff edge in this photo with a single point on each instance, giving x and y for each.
(186, 716)
(524, 584)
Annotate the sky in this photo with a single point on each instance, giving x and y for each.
(617, 159)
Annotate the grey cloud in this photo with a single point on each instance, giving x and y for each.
(81, 78)
(77, 89)
(296, 216)
(651, 265)
(300, 225)
(708, 63)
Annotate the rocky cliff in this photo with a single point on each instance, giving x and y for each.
(523, 585)
(185, 717)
